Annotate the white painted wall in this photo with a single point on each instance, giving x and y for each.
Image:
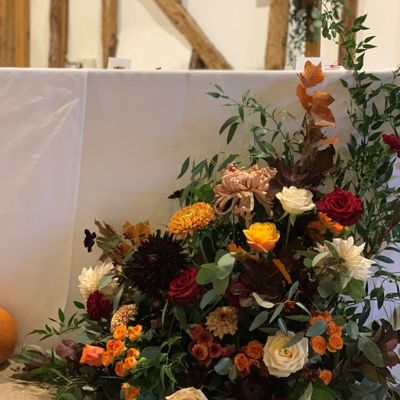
(237, 27)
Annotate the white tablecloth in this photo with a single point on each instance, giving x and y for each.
(80, 145)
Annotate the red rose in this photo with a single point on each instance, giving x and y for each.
(341, 206)
(184, 289)
(393, 142)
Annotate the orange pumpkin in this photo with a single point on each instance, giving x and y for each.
(8, 335)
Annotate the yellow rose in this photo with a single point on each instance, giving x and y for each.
(262, 236)
(283, 362)
(295, 201)
(187, 394)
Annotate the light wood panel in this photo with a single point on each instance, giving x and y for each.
(14, 33)
(275, 56)
(58, 33)
(109, 29)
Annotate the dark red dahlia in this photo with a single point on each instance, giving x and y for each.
(98, 306)
(393, 142)
(341, 206)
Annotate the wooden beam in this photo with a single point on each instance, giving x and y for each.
(275, 55)
(7, 37)
(349, 14)
(109, 29)
(194, 34)
(195, 60)
(313, 47)
(58, 33)
(21, 56)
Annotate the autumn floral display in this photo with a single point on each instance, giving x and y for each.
(262, 286)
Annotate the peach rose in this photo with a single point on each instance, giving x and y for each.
(119, 332)
(132, 352)
(326, 376)
(262, 236)
(92, 355)
(107, 358)
(130, 362)
(242, 363)
(187, 394)
(332, 328)
(134, 332)
(254, 350)
(281, 362)
(335, 343)
(115, 347)
(120, 369)
(295, 201)
(318, 344)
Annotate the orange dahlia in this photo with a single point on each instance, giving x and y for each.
(191, 218)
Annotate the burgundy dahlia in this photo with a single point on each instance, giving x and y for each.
(341, 206)
(393, 142)
(98, 306)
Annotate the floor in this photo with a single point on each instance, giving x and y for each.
(14, 389)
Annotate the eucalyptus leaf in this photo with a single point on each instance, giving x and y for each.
(259, 320)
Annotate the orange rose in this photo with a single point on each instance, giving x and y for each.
(326, 376)
(120, 369)
(323, 316)
(119, 332)
(132, 393)
(254, 350)
(92, 355)
(332, 328)
(318, 344)
(130, 362)
(262, 236)
(115, 347)
(242, 363)
(107, 358)
(132, 352)
(134, 332)
(335, 343)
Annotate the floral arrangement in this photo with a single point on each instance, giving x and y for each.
(259, 288)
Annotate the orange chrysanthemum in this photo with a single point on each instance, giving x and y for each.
(214, 350)
(191, 218)
(200, 352)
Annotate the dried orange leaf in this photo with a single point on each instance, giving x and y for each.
(322, 99)
(304, 98)
(322, 117)
(312, 74)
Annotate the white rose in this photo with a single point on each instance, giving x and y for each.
(283, 362)
(187, 394)
(295, 201)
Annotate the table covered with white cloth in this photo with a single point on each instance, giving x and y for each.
(78, 145)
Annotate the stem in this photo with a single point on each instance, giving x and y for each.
(287, 230)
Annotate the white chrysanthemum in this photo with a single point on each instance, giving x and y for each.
(89, 280)
(357, 265)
